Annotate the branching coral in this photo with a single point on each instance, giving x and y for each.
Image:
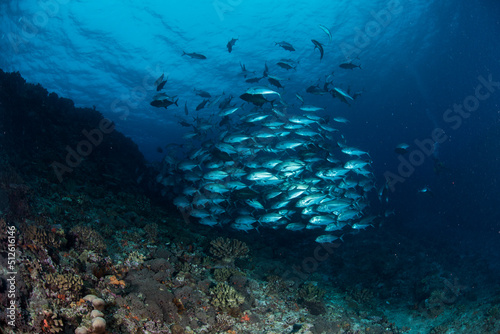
(88, 239)
(225, 297)
(48, 322)
(223, 274)
(228, 249)
(38, 238)
(68, 285)
(310, 292)
(312, 297)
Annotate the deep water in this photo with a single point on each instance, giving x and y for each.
(82, 148)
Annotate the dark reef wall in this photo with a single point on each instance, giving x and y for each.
(43, 134)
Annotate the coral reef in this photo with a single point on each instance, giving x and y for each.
(311, 296)
(36, 237)
(66, 286)
(86, 238)
(228, 250)
(225, 297)
(48, 322)
(101, 234)
(223, 274)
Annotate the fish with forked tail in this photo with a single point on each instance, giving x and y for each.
(320, 48)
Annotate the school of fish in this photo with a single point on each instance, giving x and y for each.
(267, 163)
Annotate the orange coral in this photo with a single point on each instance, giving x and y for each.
(114, 281)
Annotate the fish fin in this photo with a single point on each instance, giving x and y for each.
(184, 53)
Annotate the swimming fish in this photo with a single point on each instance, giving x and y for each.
(161, 85)
(202, 105)
(325, 29)
(194, 55)
(230, 44)
(349, 66)
(285, 45)
(402, 148)
(319, 46)
(284, 65)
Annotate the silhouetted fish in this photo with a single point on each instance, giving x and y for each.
(194, 55)
(230, 44)
(285, 45)
(319, 46)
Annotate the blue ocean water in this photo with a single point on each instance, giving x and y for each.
(419, 61)
(415, 56)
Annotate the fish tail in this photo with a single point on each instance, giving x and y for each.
(175, 102)
(184, 53)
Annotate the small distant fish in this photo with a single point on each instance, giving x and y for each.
(275, 82)
(295, 226)
(319, 46)
(261, 91)
(325, 29)
(389, 213)
(202, 93)
(163, 103)
(356, 164)
(360, 226)
(285, 45)
(402, 148)
(341, 120)
(327, 238)
(316, 90)
(344, 94)
(184, 123)
(227, 111)
(159, 80)
(230, 44)
(354, 151)
(194, 55)
(217, 99)
(284, 65)
(301, 99)
(266, 70)
(349, 66)
(253, 80)
(225, 102)
(244, 70)
(186, 111)
(257, 99)
(311, 108)
(426, 190)
(159, 149)
(161, 85)
(202, 105)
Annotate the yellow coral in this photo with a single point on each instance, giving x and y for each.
(225, 296)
